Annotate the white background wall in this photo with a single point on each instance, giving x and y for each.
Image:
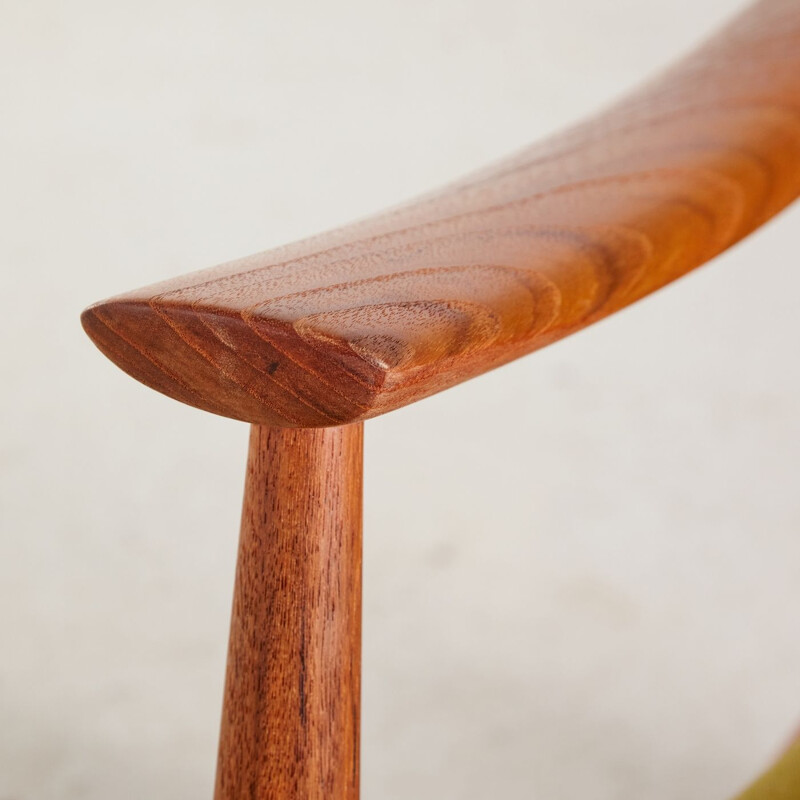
(581, 571)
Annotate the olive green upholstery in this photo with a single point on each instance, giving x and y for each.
(781, 782)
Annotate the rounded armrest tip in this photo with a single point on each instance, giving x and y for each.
(376, 315)
(257, 370)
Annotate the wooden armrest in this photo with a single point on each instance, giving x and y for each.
(370, 317)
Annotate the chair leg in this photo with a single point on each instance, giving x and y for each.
(290, 719)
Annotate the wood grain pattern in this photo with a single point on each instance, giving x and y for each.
(362, 320)
(290, 722)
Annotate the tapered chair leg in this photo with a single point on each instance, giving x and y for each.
(290, 720)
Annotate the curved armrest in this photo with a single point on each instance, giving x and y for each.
(365, 319)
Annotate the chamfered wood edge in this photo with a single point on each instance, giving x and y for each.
(373, 316)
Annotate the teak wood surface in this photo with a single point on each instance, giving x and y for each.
(291, 714)
(373, 316)
(359, 321)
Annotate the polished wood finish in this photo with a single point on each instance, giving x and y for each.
(371, 317)
(290, 722)
(365, 319)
